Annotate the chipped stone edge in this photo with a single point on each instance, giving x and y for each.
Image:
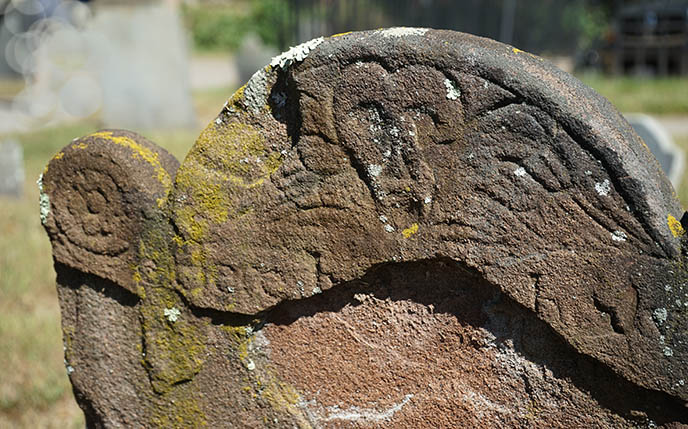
(43, 200)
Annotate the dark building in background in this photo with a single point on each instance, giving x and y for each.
(535, 26)
(629, 36)
(650, 39)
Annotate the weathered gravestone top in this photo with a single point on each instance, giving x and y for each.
(395, 228)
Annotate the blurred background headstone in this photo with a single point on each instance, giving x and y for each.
(141, 60)
(670, 156)
(11, 168)
(124, 62)
(253, 55)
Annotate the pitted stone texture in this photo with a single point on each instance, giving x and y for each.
(394, 228)
(102, 338)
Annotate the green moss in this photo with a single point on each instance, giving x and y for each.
(174, 349)
(227, 160)
(179, 410)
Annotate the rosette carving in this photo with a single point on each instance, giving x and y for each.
(97, 194)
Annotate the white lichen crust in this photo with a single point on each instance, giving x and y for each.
(619, 236)
(603, 188)
(453, 92)
(43, 200)
(520, 172)
(295, 54)
(256, 91)
(403, 31)
(172, 314)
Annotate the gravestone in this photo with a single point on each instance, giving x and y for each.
(11, 168)
(140, 89)
(252, 55)
(395, 228)
(670, 156)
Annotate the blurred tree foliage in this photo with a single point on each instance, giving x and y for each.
(221, 25)
(543, 26)
(270, 20)
(589, 20)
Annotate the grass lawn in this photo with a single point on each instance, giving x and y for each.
(662, 96)
(34, 389)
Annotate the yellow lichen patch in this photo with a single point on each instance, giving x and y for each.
(80, 145)
(241, 339)
(175, 345)
(284, 398)
(178, 409)
(161, 270)
(410, 230)
(341, 34)
(532, 410)
(136, 276)
(675, 226)
(236, 98)
(225, 158)
(140, 152)
(238, 151)
(209, 202)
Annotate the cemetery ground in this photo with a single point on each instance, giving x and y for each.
(34, 388)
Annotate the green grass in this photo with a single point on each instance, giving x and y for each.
(631, 94)
(35, 391)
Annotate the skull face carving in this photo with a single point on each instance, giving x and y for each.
(369, 206)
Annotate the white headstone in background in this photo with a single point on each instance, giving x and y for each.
(142, 64)
(670, 156)
(124, 63)
(253, 55)
(11, 168)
